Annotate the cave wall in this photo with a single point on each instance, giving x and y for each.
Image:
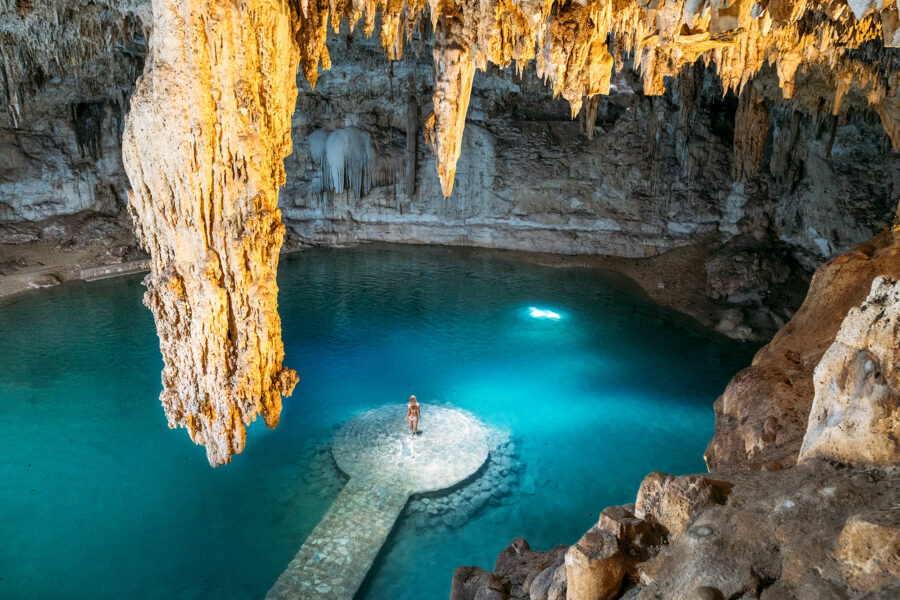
(66, 157)
(653, 173)
(67, 71)
(656, 172)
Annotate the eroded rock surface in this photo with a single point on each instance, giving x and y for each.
(762, 416)
(855, 415)
(203, 146)
(814, 531)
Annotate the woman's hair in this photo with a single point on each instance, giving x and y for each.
(413, 399)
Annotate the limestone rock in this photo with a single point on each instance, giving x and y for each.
(540, 585)
(474, 583)
(888, 592)
(855, 415)
(869, 549)
(44, 280)
(673, 502)
(637, 537)
(518, 565)
(595, 567)
(550, 584)
(559, 586)
(763, 414)
(203, 147)
(705, 592)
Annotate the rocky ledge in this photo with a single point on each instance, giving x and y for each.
(801, 499)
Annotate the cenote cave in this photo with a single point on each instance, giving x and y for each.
(560, 300)
(124, 510)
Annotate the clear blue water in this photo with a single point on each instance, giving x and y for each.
(99, 499)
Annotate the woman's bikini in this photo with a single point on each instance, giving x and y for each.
(412, 414)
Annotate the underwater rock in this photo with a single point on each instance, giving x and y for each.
(457, 507)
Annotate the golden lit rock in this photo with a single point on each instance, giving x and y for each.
(203, 147)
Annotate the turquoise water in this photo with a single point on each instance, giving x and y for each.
(99, 499)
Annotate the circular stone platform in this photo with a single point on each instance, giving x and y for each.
(378, 447)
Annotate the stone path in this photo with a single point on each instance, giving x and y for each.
(386, 466)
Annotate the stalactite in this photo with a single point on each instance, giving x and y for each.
(412, 130)
(454, 68)
(43, 39)
(345, 159)
(590, 116)
(210, 125)
(576, 45)
(203, 146)
(751, 124)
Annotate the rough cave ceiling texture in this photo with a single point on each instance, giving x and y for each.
(210, 126)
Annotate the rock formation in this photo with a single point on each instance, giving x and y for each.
(833, 49)
(203, 146)
(762, 416)
(855, 415)
(791, 67)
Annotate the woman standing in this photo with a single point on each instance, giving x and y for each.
(412, 415)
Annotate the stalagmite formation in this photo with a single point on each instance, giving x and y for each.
(203, 146)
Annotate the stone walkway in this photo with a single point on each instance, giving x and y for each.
(386, 466)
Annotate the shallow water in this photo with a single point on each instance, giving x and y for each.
(99, 499)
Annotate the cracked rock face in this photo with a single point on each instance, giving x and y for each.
(204, 147)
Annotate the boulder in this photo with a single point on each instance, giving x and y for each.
(595, 567)
(559, 586)
(636, 537)
(518, 565)
(546, 585)
(868, 549)
(673, 502)
(474, 583)
(855, 416)
(540, 585)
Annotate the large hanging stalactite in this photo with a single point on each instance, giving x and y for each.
(204, 145)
